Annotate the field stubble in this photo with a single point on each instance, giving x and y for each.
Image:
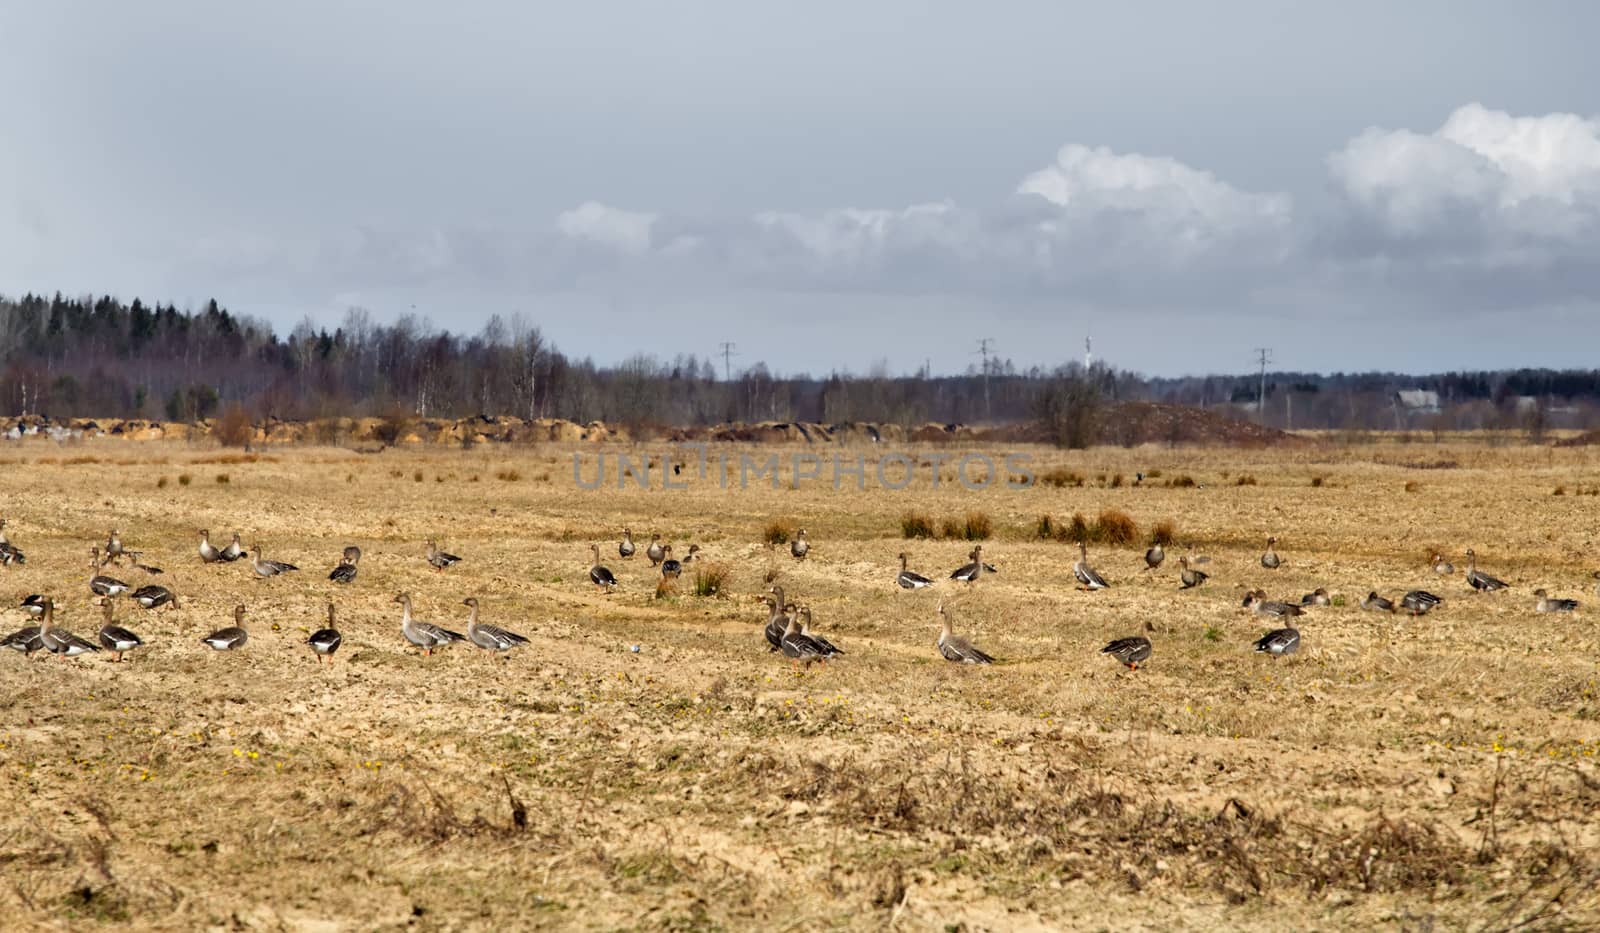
(1401, 772)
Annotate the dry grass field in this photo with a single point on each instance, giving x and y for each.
(1427, 774)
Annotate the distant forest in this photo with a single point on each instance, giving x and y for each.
(99, 357)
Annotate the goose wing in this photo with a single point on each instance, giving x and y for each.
(325, 640)
(912, 581)
(344, 573)
(1279, 641)
(25, 639)
(227, 639)
(965, 573)
(1089, 577)
(500, 639)
(956, 648)
(437, 634)
(602, 576)
(117, 638)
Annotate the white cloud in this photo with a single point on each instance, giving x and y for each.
(625, 231)
(1495, 183)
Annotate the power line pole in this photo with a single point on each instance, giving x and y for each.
(727, 351)
(985, 346)
(1263, 356)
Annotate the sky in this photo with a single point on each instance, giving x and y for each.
(830, 185)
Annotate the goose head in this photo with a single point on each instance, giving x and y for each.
(238, 615)
(470, 601)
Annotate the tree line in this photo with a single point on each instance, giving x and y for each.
(100, 357)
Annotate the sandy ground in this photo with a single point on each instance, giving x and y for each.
(1433, 773)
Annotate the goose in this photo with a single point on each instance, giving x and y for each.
(25, 640)
(694, 550)
(231, 638)
(1548, 604)
(955, 648)
(100, 584)
(269, 568)
(1258, 601)
(208, 551)
(1129, 652)
(154, 597)
(1088, 577)
(135, 557)
(1419, 602)
(671, 567)
(1154, 556)
(115, 638)
(1279, 642)
(800, 547)
(33, 605)
(1317, 597)
(9, 554)
(233, 551)
(969, 573)
(113, 546)
(598, 575)
(346, 571)
(1479, 580)
(798, 647)
(424, 635)
(1190, 577)
(325, 641)
(777, 621)
(626, 548)
(654, 551)
(1441, 566)
(439, 559)
(1372, 602)
(60, 642)
(909, 580)
(1270, 559)
(828, 647)
(491, 638)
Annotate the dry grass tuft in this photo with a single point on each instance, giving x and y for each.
(1316, 482)
(710, 579)
(235, 428)
(161, 483)
(916, 525)
(184, 479)
(1245, 479)
(1560, 491)
(1164, 532)
(223, 479)
(779, 531)
(1114, 527)
(1181, 481)
(1060, 477)
(416, 477)
(1413, 486)
(976, 526)
(508, 476)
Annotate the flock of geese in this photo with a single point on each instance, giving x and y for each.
(787, 628)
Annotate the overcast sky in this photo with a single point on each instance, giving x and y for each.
(1358, 186)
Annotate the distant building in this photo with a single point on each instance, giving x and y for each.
(1417, 401)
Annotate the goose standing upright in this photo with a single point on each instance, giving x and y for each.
(803, 613)
(230, 638)
(625, 548)
(693, 555)
(1188, 576)
(799, 547)
(208, 551)
(1548, 604)
(346, 571)
(601, 577)
(956, 649)
(269, 568)
(424, 635)
(909, 580)
(671, 567)
(1270, 559)
(1154, 556)
(777, 621)
(233, 551)
(1130, 652)
(325, 641)
(970, 572)
(114, 637)
(797, 647)
(1479, 580)
(60, 642)
(99, 583)
(25, 640)
(439, 559)
(114, 546)
(1088, 577)
(491, 638)
(654, 551)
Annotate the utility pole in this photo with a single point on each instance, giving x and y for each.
(1088, 353)
(985, 347)
(728, 352)
(1263, 356)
